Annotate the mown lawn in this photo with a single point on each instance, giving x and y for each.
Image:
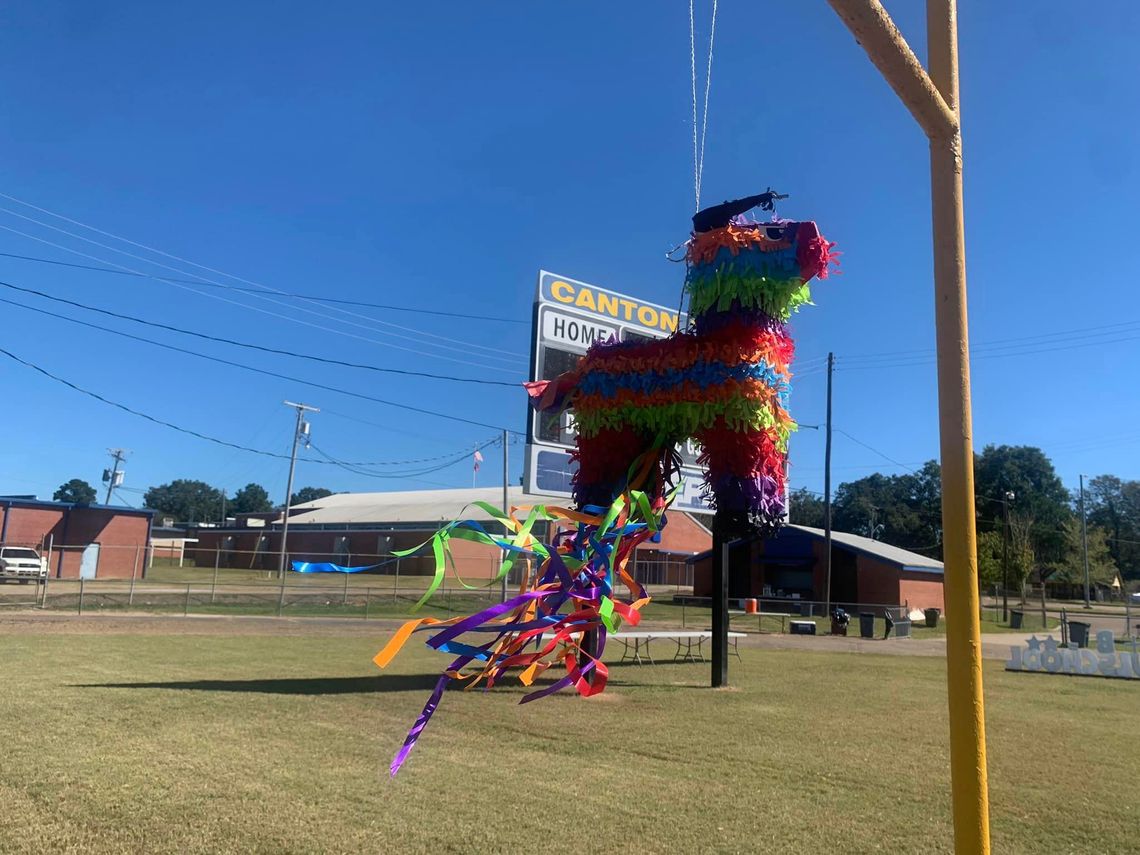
(275, 743)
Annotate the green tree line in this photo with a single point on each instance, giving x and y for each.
(1044, 522)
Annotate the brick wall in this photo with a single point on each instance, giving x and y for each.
(922, 591)
(122, 537)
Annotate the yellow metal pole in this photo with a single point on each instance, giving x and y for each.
(969, 779)
(933, 100)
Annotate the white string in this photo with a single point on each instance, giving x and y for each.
(693, 75)
(705, 120)
(699, 154)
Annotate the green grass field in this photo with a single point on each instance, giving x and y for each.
(164, 742)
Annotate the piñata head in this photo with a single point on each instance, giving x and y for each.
(723, 382)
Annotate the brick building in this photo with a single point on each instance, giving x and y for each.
(792, 566)
(88, 541)
(364, 529)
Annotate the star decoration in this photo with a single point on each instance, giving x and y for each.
(1034, 643)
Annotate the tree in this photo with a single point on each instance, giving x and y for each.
(185, 500)
(902, 510)
(1021, 553)
(1071, 568)
(1114, 505)
(989, 559)
(805, 508)
(251, 499)
(309, 494)
(1039, 495)
(76, 491)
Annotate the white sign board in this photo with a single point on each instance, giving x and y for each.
(569, 317)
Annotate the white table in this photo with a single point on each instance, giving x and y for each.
(690, 644)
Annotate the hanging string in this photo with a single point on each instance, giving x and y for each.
(705, 119)
(699, 153)
(693, 76)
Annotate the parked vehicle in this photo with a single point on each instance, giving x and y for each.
(21, 564)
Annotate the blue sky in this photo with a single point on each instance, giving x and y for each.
(435, 156)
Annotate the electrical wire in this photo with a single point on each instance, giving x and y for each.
(254, 370)
(249, 346)
(355, 467)
(265, 289)
(313, 297)
(197, 290)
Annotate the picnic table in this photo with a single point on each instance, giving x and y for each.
(689, 644)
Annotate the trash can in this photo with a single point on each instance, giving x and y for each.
(805, 610)
(932, 616)
(1079, 633)
(1015, 618)
(750, 606)
(866, 625)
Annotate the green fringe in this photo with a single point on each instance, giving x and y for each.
(684, 418)
(775, 297)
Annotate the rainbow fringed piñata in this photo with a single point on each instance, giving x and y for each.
(724, 382)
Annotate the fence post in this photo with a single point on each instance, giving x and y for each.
(81, 585)
(217, 563)
(134, 572)
(367, 597)
(682, 614)
(396, 586)
(186, 604)
(1044, 616)
(281, 596)
(1127, 611)
(344, 602)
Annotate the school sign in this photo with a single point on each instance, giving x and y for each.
(569, 317)
(1047, 657)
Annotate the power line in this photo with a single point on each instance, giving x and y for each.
(354, 467)
(154, 419)
(313, 297)
(265, 289)
(261, 371)
(249, 346)
(196, 290)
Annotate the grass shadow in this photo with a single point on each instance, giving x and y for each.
(290, 685)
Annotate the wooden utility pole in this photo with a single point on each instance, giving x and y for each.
(933, 100)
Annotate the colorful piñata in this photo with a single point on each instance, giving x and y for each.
(723, 382)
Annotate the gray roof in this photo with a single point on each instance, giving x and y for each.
(877, 549)
(411, 506)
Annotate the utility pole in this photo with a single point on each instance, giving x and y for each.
(827, 494)
(223, 520)
(1085, 544)
(506, 510)
(1006, 498)
(301, 430)
(114, 477)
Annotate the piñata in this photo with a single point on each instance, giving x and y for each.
(723, 382)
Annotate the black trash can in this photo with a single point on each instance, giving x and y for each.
(1015, 618)
(932, 616)
(1079, 633)
(866, 625)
